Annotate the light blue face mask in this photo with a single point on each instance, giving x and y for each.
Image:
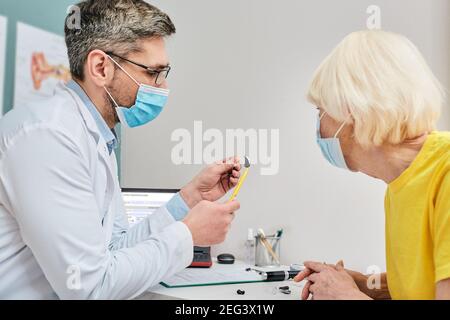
(331, 147)
(150, 101)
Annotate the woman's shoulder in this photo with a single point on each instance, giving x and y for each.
(437, 153)
(439, 142)
(441, 146)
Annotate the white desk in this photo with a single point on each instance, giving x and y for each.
(253, 291)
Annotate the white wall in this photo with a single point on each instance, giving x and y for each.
(246, 64)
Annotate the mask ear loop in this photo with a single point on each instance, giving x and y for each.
(124, 70)
(109, 94)
(117, 109)
(342, 127)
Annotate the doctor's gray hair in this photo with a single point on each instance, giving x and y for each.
(112, 25)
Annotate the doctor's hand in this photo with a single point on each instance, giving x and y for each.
(213, 182)
(209, 222)
(328, 282)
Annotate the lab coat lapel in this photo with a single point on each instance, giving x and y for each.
(102, 150)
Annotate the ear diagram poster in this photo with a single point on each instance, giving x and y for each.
(41, 62)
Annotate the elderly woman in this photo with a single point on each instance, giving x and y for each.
(378, 104)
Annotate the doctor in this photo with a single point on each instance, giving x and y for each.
(63, 229)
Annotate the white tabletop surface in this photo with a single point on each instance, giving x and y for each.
(253, 291)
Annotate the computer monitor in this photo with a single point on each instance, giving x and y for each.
(140, 203)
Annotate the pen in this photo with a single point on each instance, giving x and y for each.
(262, 238)
(279, 233)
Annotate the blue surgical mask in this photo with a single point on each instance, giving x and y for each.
(150, 101)
(331, 147)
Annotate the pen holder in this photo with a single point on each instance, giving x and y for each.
(263, 258)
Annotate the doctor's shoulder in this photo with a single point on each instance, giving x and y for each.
(57, 113)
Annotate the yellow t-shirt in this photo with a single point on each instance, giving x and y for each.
(417, 208)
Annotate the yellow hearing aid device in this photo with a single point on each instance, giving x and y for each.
(241, 181)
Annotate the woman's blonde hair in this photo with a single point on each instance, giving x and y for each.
(379, 82)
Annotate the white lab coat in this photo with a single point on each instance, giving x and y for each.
(63, 229)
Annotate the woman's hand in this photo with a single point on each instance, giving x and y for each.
(327, 282)
(213, 182)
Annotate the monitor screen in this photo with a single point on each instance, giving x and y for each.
(139, 203)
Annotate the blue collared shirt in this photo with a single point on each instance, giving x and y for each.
(108, 134)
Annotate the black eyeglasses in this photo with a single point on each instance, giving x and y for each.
(159, 74)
